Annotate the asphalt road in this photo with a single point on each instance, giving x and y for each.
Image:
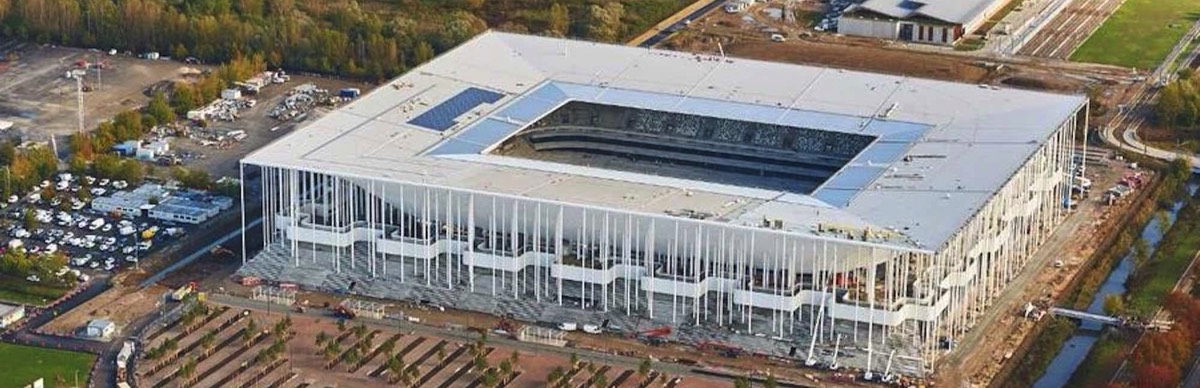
(665, 33)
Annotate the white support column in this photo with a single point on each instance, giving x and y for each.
(242, 205)
(451, 231)
(471, 241)
(514, 236)
(405, 216)
(537, 249)
(627, 260)
(650, 258)
(294, 201)
(386, 213)
(430, 239)
(558, 251)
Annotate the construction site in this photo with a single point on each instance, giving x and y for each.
(40, 95)
(245, 344)
(42, 89)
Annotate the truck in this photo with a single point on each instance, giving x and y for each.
(123, 359)
(183, 291)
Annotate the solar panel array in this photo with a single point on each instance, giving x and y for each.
(442, 116)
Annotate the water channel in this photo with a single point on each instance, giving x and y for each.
(1075, 349)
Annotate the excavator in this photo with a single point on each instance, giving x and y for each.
(654, 336)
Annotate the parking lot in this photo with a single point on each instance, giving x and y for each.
(93, 241)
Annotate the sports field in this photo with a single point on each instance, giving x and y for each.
(1140, 34)
(23, 364)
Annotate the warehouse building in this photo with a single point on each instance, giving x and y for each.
(940, 22)
(791, 211)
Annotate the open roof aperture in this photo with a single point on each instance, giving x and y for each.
(686, 146)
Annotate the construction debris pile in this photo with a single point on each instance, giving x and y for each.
(222, 109)
(301, 100)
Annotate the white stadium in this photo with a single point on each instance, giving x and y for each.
(828, 216)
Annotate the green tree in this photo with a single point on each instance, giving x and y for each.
(423, 52)
(741, 382)
(480, 362)
(644, 368)
(160, 109)
(188, 369)
(506, 368)
(555, 376)
(395, 365)
(192, 179)
(359, 331)
(30, 221)
(330, 351)
(322, 337)
(208, 340)
(604, 21)
(1114, 305)
(560, 20)
(352, 356)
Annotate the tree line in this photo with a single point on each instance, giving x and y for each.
(1161, 357)
(371, 39)
(1179, 102)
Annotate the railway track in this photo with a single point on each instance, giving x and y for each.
(1067, 31)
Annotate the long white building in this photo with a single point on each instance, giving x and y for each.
(939, 22)
(786, 210)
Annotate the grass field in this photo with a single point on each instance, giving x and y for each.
(1157, 277)
(1101, 362)
(18, 290)
(23, 364)
(1140, 34)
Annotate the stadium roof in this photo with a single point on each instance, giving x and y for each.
(436, 124)
(950, 11)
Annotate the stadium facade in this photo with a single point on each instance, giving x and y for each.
(826, 215)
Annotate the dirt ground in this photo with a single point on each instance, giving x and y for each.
(120, 304)
(38, 98)
(747, 35)
(218, 279)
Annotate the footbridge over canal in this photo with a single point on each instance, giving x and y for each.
(1122, 322)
